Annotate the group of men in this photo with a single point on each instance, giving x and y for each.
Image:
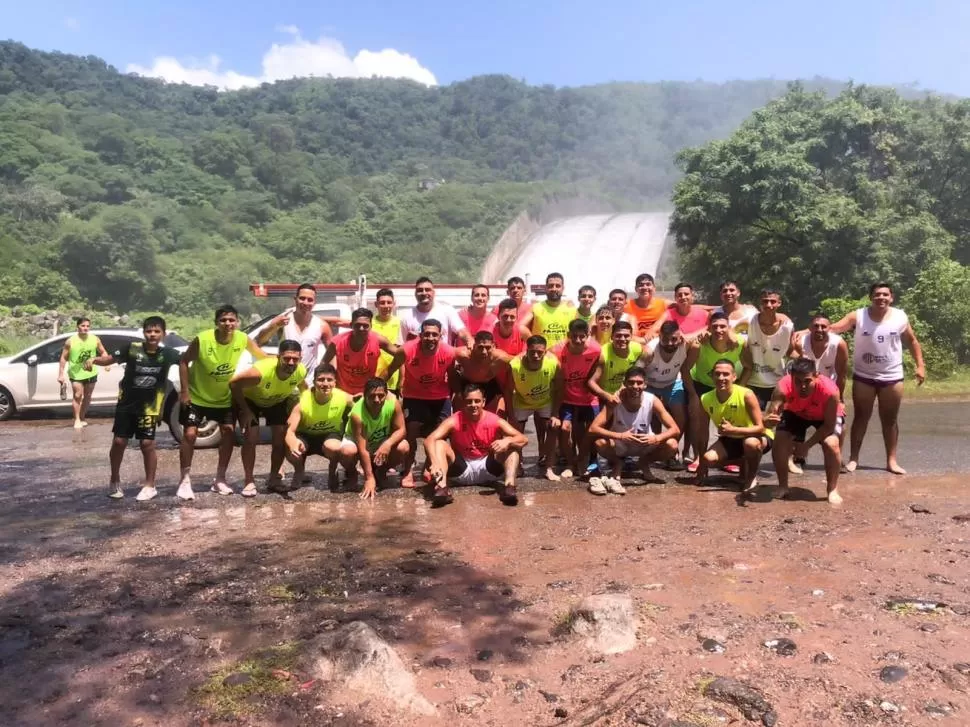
(636, 381)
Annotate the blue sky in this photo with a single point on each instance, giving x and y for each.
(562, 43)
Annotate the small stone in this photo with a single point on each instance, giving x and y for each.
(963, 668)
(560, 713)
(818, 592)
(823, 657)
(442, 662)
(782, 647)
(938, 709)
(930, 628)
(712, 646)
(769, 719)
(154, 699)
(939, 578)
(893, 673)
(481, 675)
(559, 585)
(520, 686)
(485, 655)
(965, 518)
(237, 679)
(549, 696)
(572, 672)
(547, 547)
(888, 707)
(920, 509)
(467, 705)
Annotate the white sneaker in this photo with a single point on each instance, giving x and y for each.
(596, 485)
(78, 425)
(146, 493)
(250, 490)
(221, 488)
(794, 467)
(185, 490)
(613, 485)
(115, 492)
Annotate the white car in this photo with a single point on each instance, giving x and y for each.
(28, 380)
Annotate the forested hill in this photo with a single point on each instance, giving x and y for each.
(136, 194)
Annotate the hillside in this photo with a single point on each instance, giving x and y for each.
(131, 193)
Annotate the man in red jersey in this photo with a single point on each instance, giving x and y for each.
(578, 358)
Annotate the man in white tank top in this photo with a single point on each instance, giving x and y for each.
(738, 313)
(668, 374)
(881, 334)
(767, 349)
(623, 430)
(300, 324)
(828, 350)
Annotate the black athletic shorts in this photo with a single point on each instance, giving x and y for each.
(429, 413)
(734, 446)
(763, 394)
(133, 421)
(702, 389)
(193, 415)
(275, 415)
(92, 380)
(314, 442)
(798, 427)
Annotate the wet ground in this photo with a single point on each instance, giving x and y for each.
(128, 613)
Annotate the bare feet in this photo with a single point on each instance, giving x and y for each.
(566, 474)
(851, 466)
(835, 498)
(893, 466)
(407, 481)
(551, 475)
(782, 493)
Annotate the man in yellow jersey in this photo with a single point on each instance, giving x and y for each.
(376, 428)
(387, 324)
(602, 329)
(587, 299)
(742, 436)
(317, 425)
(618, 356)
(550, 318)
(646, 312)
(719, 343)
(263, 391)
(204, 373)
(534, 388)
(78, 350)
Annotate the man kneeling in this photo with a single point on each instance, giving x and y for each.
(742, 437)
(623, 430)
(376, 428)
(803, 399)
(473, 447)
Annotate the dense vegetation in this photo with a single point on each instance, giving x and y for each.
(820, 197)
(129, 193)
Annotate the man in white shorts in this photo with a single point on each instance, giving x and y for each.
(881, 334)
(474, 447)
(453, 330)
(624, 430)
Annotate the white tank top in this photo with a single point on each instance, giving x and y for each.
(768, 353)
(879, 346)
(639, 420)
(735, 322)
(310, 340)
(660, 373)
(824, 364)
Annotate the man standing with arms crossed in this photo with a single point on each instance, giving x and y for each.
(78, 350)
(881, 334)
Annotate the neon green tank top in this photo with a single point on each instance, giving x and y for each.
(271, 389)
(375, 429)
(210, 373)
(81, 350)
(590, 318)
(319, 420)
(391, 330)
(533, 389)
(616, 366)
(732, 410)
(707, 357)
(552, 323)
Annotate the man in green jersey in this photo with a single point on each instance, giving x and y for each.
(140, 396)
(317, 425)
(550, 318)
(534, 387)
(618, 356)
(78, 351)
(263, 391)
(204, 372)
(587, 299)
(376, 427)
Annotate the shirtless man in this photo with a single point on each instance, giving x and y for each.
(737, 312)
(767, 349)
(881, 334)
(483, 366)
(473, 447)
(624, 430)
(300, 324)
(804, 400)
(476, 316)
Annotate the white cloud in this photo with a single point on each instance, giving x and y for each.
(72, 24)
(292, 59)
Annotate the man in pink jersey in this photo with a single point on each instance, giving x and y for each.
(427, 397)
(516, 292)
(804, 400)
(474, 447)
(356, 353)
(509, 334)
(476, 316)
(578, 357)
(881, 334)
(690, 317)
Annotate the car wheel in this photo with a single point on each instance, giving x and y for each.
(7, 407)
(209, 433)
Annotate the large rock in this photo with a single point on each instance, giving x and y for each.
(356, 657)
(608, 622)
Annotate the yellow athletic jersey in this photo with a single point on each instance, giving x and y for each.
(271, 389)
(616, 366)
(319, 420)
(552, 323)
(210, 373)
(391, 330)
(533, 389)
(732, 410)
(80, 351)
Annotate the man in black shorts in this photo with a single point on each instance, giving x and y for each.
(474, 447)
(265, 390)
(140, 397)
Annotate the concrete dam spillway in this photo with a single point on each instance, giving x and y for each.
(605, 251)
